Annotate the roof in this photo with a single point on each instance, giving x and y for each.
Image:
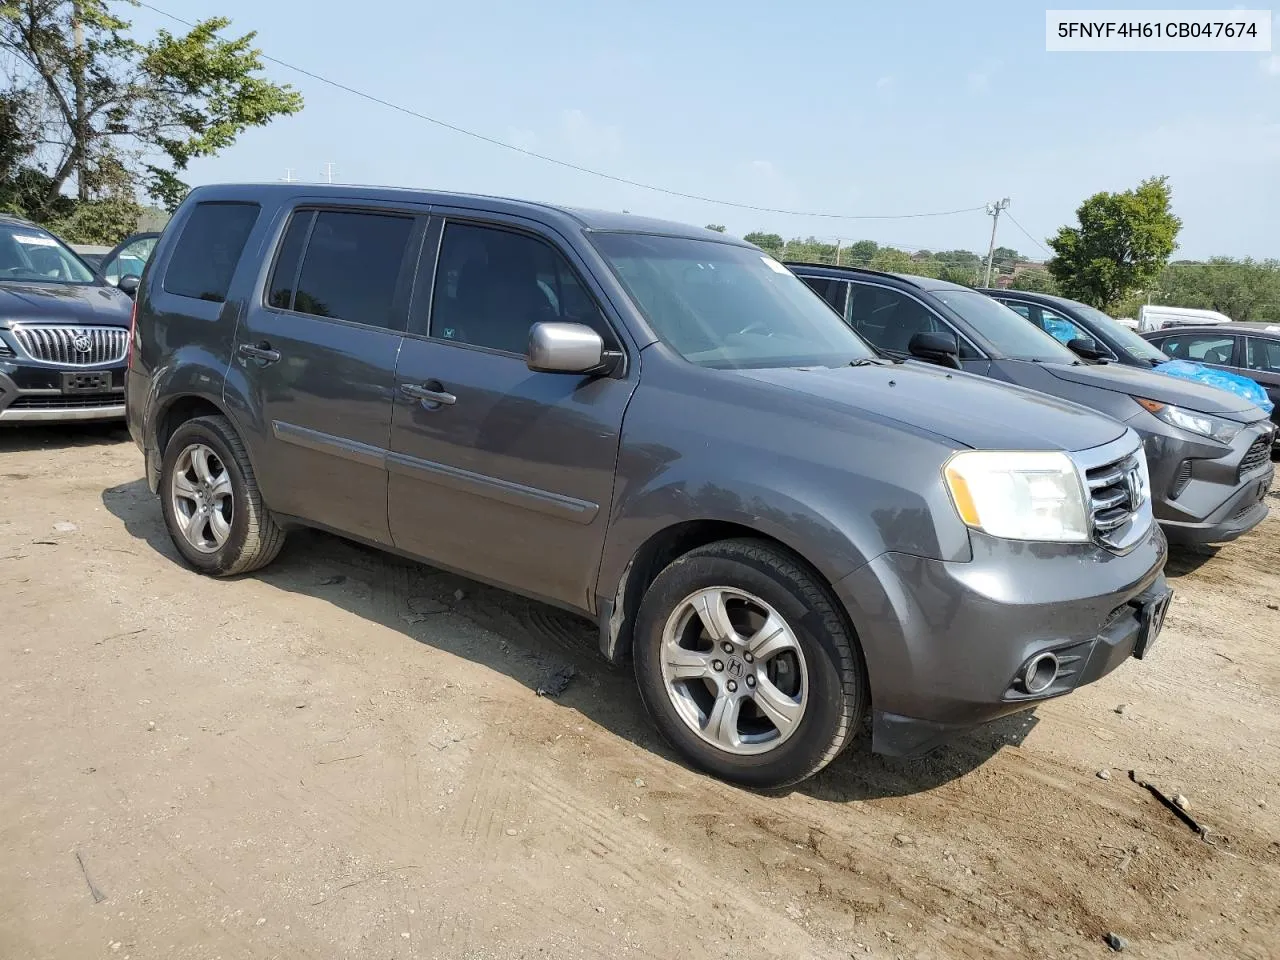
(849, 273)
(1257, 329)
(602, 220)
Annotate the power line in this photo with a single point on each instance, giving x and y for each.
(567, 164)
(1027, 235)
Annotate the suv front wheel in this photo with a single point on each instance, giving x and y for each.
(212, 507)
(746, 666)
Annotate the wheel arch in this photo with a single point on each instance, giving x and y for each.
(617, 614)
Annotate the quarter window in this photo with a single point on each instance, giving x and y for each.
(205, 256)
(492, 285)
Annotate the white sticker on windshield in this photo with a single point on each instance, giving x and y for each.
(34, 241)
(774, 265)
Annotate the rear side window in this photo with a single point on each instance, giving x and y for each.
(350, 267)
(1200, 347)
(1264, 355)
(206, 254)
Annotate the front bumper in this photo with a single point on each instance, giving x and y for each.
(33, 393)
(1201, 492)
(945, 642)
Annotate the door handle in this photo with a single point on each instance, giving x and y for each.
(260, 351)
(431, 392)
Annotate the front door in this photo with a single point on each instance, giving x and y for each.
(317, 357)
(497, 471)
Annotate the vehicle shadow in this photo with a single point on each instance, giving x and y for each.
(24, 438)
(532, 643)
(1188, 559)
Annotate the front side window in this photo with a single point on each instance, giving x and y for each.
(130, 260)
(889, 319)
(728, 307)
(1263, 355)
(1128, 339)
(1003, 329)
(350, 268)
(1200, 347)
(205, 256)
(492, 285)
(31, 255)
(1060, 328)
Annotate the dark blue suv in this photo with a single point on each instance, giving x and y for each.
(63, 331)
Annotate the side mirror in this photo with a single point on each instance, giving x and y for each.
(940, 347)
(128, 283)
(556, 347)
(1086, 348)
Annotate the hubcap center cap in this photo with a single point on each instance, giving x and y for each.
(735, 668)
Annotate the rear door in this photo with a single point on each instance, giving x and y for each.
(497, 471)
(316, 352)
(1262, 364)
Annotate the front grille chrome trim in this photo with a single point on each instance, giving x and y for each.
(72, 346)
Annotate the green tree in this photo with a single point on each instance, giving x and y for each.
(1244, 290)
(892, 260)
(1034, 280)
(1003, 259)
(1121, 244)
(859, 253)
(769, 242)
(109, 116)
(717, 227)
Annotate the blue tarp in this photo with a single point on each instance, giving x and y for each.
(1231, 382)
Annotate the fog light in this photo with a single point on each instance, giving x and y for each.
(1040, 673)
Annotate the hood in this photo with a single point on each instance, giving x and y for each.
(1136, 382)
(83, 304)
(971, 410)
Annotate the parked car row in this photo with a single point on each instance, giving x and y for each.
(918, 507)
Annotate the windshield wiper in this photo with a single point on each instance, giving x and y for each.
(871, 362)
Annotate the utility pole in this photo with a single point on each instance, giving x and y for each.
(81, 140)
(993, 211)
(328, 172)
(288, 176)
(837, 251)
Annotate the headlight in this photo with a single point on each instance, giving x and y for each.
(1019, 495)
(1205, 424)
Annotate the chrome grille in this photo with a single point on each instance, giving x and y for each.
(1116, 495)
(73, 346)
(1258, 454)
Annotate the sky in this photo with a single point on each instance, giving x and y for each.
(833, 107)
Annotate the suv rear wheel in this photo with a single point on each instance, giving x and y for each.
(746, 666)
(212, 506)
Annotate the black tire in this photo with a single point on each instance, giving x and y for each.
(837, 693)
(255, 538)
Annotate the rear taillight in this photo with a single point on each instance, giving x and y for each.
(133, 332)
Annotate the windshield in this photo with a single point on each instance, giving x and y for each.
(30, 254)
(1127, 339)
(1003, 329)
(720, 305)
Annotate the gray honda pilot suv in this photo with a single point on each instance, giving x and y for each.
(654, 426)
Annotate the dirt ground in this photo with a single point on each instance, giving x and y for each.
(344, 756)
